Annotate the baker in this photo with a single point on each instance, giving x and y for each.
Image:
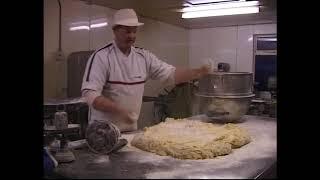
(115, 75)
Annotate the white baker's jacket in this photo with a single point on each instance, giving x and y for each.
(122, 78)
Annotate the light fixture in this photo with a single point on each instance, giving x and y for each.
(206, 1)
(191, 3)
(98, 25)
(85, 26)
(221, 9)
(79, 28)
(221, 12)
(224, 5)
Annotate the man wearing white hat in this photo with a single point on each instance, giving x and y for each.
(113, 82)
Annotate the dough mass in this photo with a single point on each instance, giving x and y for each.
(190, 139)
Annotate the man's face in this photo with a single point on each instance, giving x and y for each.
(125, 35)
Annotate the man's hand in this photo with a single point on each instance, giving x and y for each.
(184, 74)
(119, 114)
(204, 70)
(126, 116)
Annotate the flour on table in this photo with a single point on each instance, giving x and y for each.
(189, 139)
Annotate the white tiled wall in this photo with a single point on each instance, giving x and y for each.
(216, 43)
(265, 29)
(233, 45)
(245, 49)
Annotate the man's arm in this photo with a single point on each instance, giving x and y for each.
(170, 75)
(99, 102)
(182, 75)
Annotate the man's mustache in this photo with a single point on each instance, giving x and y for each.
(129, 40)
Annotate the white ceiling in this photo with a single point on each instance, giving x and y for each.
(164, 10)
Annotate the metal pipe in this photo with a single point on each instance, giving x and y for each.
(59, 25)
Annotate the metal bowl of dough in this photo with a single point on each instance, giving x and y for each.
(224, 108)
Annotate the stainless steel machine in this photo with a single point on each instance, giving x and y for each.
(64, 121)
(76, 109)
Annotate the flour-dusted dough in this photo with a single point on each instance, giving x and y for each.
(191, 139)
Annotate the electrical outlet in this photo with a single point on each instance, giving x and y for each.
(60, 56)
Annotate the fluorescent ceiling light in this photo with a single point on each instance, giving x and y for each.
(97, 25)
(190, 3)
(221, 6)
(79, 28)
(220, 12)
(206, 1)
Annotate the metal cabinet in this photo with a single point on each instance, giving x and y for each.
(76, 63)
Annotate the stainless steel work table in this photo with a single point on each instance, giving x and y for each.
(249, 161)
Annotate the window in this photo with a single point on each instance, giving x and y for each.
(265, 76)
(265, 62)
